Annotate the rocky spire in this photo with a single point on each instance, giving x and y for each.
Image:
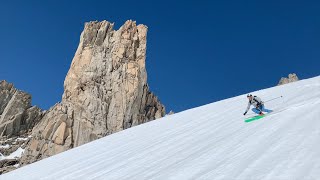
(291, 78)
(105, 91)
(17, 116)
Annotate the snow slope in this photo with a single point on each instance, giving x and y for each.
(208, 142)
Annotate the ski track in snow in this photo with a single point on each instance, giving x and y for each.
(208, 142)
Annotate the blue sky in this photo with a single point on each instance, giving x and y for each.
(198, 52)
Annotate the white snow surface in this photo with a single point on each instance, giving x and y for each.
(6, 146)
(16, 154)
(208, 142)
(22, 139)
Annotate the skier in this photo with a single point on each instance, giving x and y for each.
(258, 105)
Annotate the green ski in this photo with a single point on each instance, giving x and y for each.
(254, 118)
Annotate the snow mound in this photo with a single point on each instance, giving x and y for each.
(208, 142)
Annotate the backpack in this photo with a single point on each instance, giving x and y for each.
(258, 103)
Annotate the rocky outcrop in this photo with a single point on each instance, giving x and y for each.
(17, 119)
(7, 165)
(17, 116)
(105, 91)
(291, 78)
(171, 112)
(10, 152)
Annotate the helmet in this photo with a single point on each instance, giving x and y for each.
(249, 95)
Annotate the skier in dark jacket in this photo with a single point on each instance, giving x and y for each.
(258, 105)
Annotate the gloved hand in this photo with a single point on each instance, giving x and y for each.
(244, 113)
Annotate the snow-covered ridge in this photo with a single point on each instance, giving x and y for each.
(208, 142)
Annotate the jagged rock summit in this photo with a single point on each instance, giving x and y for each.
(105, 91)
(291, 78)
(17, 116)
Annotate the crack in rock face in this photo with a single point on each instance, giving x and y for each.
(105, 91)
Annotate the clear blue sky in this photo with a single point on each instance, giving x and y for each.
(198, 51)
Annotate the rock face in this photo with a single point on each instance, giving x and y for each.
(16, 114)
(105, 91)
(7, 165)
(291, 78)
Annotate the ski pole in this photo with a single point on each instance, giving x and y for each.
(274, 99)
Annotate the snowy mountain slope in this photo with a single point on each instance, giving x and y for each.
(208, 142)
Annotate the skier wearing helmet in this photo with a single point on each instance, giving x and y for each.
(258, 105)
